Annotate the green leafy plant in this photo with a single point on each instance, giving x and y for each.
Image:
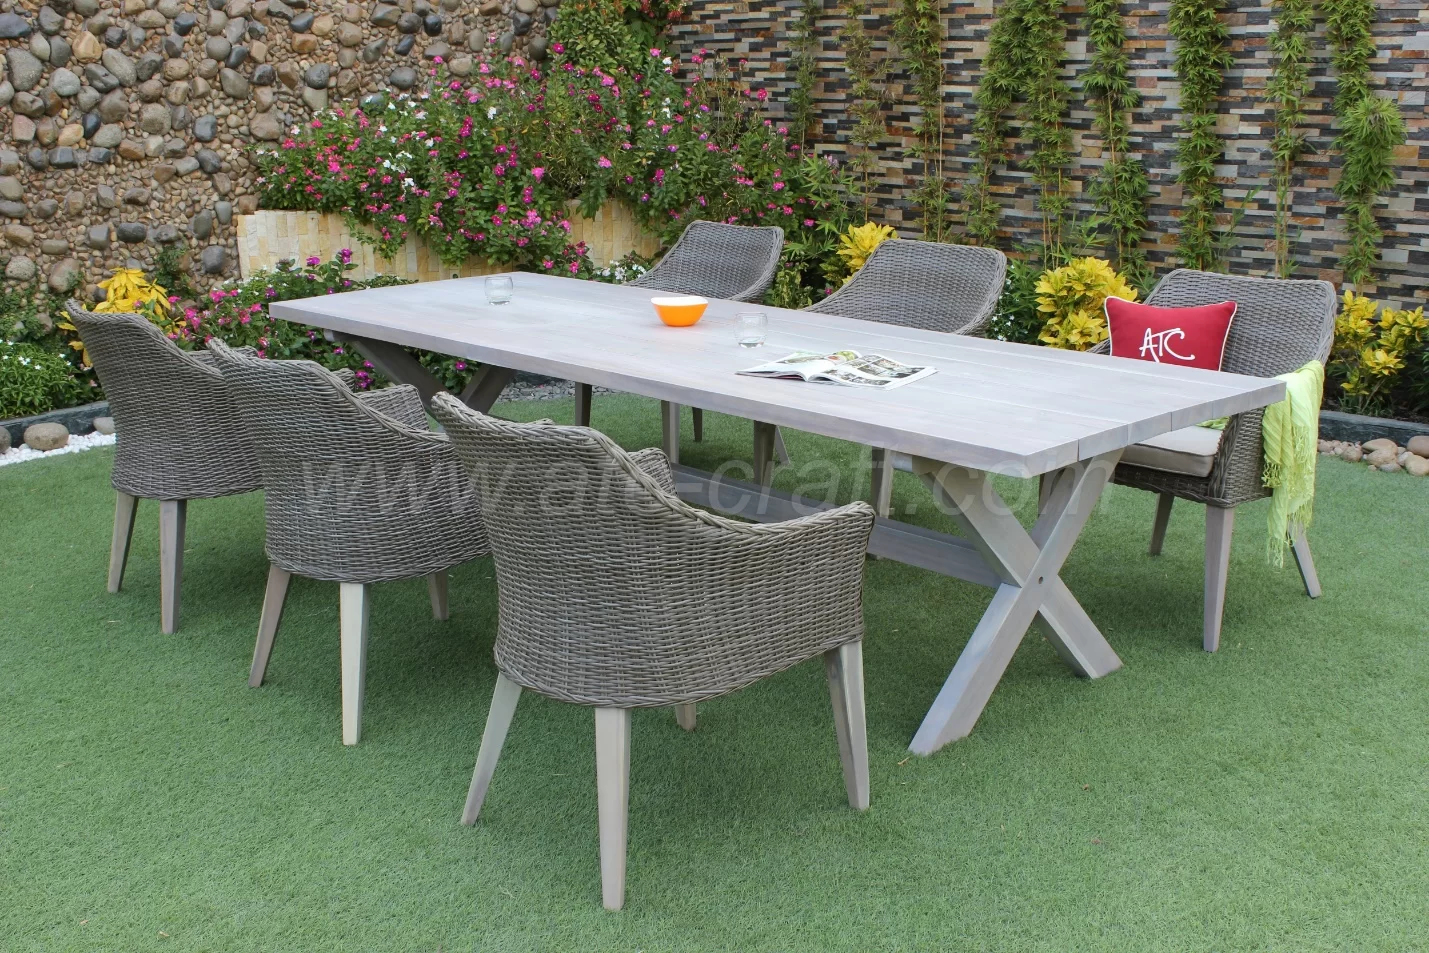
(920, 34)
(34, 379)
(866, 98)
(1024, 63)
(171, 273)
(1017, 318)
(1120, 189)
(1044, 114)
(1202, 57)
(1072, 299)
(1004, 68)
(803, 111)
(1286, 90)
(1371, 128)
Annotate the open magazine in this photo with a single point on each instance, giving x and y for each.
(842, 367)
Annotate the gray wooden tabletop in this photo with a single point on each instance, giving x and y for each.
(1010, 408)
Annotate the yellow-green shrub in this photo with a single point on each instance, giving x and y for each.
(1073, 300)
(1369, 354)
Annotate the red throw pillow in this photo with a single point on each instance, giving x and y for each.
(1190, 337)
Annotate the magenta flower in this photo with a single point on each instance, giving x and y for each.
(603, 162)
(538, 172)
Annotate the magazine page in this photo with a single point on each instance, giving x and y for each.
(804, 365)
(874, 370)
(842, 367)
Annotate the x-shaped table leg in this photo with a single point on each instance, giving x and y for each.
(395, 363)
(1029, 563)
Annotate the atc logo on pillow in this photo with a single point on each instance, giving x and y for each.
(1188, 337)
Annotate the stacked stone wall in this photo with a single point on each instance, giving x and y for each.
(129, 125)
(761, 33)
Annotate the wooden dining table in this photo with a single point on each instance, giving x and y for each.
(993, 408)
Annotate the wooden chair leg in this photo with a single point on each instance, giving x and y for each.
(685, 716)
(764, 453)
(670, 430)
(699, 418)
(173, 514)
(881, 481)
(844, 668)
(1301, 547)
(354, 601)
(124, 507)
(583, 395)
(273, 599)
(437, 590)
(1045, 483)
(498, 721)
(1220, 525)
(612, 781)
(1164, 502)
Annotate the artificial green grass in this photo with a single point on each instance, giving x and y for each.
(1269, 797)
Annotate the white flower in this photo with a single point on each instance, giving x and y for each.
(491, 112)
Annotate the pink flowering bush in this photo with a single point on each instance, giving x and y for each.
(237, 314)
(487, 166)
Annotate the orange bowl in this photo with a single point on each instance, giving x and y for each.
(680, 311)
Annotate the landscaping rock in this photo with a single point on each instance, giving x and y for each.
(20, 268)
(14, 27)
(1352, 454)
(66, 276)
(1418, 446)
(1381, 456)
(4, 439)
(25, 69)
(1379, 443)
(214, 259)
(104, 425)
(1416, 465)
(43, 437)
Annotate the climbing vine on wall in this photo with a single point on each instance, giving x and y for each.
(1120, 189)
(1023, 66)
(1202, 58)
(805, 65)
(1371, 127)
(920, 34)
(1003, 67)
(1044, 113)
(866, 94)
(1287, 88)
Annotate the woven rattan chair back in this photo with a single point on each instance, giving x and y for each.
(929, 285)
(615, 593)
(1279, 324)
(351, 494)
(179, 435)
(716, 260)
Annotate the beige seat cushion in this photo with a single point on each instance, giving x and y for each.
(1189, 451)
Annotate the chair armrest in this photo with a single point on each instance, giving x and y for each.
(654, 464)
(401, 402)
(1102, 348)
(1240, 461)
(348, 376)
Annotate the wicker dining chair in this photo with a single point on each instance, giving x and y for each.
(934, 286)
(179, 438)
(1279, 326)
(713, 260)
(616, 595)
(357, 490)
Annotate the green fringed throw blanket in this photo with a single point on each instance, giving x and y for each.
(1290, 431)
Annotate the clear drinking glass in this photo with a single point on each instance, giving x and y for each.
(753, 325)
(498, 289)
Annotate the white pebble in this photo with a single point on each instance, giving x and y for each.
(84, 442)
